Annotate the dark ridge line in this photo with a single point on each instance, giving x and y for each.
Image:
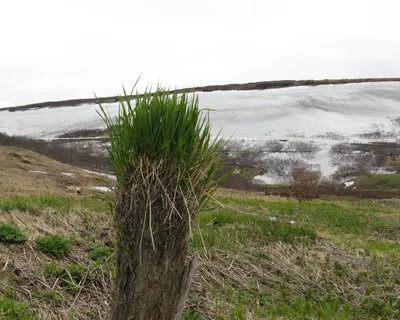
(262, 85)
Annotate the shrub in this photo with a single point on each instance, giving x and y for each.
(11, 234)
(307, 185)
(54, 244)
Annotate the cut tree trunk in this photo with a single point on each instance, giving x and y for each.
(153, 275)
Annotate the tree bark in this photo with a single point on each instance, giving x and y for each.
(152, 281)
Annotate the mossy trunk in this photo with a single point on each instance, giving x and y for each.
(153, 275)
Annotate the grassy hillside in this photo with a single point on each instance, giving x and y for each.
(260, 257)
(335, 261)
(384, 182)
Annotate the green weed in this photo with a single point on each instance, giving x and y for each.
(53, 270)
(11, 234)
(100, 254)
(49, 296)
(192, 315)
(14, 310)
(54, 244)
(76, 271)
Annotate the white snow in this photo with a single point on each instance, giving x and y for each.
(236, 171)
(41, 172)
(110, 176)
(104, 189)
(310, 114)
(265, 179)
(68, 174)
(346, 109)
(348, 184)
(383, 171)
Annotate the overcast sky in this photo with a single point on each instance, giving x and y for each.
(56, 49)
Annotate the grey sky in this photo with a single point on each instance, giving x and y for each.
(56, 49)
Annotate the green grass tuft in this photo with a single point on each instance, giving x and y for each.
(11, 234)
(49, 296)
(54, 244)
(192, 315)
(53, 270)
(163, 127)
(14, 310)
(100, 254)
(77, 271)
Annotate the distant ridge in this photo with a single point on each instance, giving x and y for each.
(261, 85)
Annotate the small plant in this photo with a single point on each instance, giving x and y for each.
(53, 270)
(192, 315)
(9, 292)
(54, 244)
(49, 295)
(11, 234)
(85, 219)
(369, 290)
(73, 276)
(100, 254)
(340, 269)
(380, 308)
(77, 271)
(13, 310)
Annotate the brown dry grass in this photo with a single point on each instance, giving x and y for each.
(270, 268)
(16, 178)
(22, 266)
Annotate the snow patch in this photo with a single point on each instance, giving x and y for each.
(383, 171)
(68, 174)
(110, 176)
(104, 189)
(264, 179)
(348, 184)
(41, 172)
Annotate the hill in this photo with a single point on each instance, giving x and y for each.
(260, 85)
(259, 257)
(27, 173)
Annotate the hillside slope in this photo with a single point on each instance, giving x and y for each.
(258, 257)
(26, 173)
